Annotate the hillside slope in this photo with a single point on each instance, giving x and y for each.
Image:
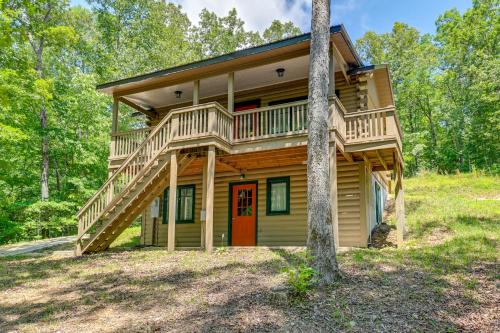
(443, 280)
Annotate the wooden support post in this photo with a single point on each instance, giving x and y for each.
(114, 119)
(196, 92)
(400, 206)
(114, 127)
(172, 202)
(331, 73)
(204, 202)
(230, 92)
(78, 249)
(333, 192)
(209, 221)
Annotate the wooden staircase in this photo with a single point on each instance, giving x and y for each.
(141, 178)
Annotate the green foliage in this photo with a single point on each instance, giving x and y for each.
(446, 88)
(301, 279)
(49, 219)
(301, 276)
(280, 30)
(51, 58)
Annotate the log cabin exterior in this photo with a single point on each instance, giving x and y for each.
(223, 158)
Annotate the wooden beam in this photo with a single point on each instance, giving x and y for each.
(331, 72)
(172, 201)
(381, 160)
(366, 159)
(204, 201)
(230, 92)
(333, 192)
(400, 206)
(229, 166)
(209, 221)
(347, 156)
(150, 113)
(114, 129)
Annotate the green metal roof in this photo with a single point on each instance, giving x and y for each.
(233, 55)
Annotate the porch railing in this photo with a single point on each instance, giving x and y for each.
(125, 143)
(271, 121)
(211, 119)
(202, 120)
(378, 124)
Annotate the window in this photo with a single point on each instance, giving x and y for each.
(278, 196)
(164, 211)
(185, 204)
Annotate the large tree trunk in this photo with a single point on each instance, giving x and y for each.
(320, 240)
(44, 176)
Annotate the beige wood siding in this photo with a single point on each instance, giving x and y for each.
(278, 230)
(349, 196)
(348, 92)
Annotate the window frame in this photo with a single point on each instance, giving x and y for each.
(270, 182)
(166, 194)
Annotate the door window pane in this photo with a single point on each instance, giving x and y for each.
(244, 207)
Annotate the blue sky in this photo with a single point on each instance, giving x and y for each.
(358, 16)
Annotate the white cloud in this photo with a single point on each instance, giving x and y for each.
(257, 14)
(344, 10)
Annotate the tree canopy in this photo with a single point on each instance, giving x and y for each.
(52, 56)
(446, 87)
(54, 126)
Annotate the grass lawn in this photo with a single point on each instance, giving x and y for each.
(444, 280)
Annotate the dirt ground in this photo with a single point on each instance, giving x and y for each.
(234, 290)
(445, 279)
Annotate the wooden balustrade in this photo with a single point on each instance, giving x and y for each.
(211, 119)
(378, 124)
(202, 120)
(125, 143)
(133, 167)
(283, 119)
(179, 124)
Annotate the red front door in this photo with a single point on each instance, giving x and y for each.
(244, 213)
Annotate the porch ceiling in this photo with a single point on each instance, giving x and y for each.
(251, 78)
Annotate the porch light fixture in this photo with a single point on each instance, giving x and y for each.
(280, 72)
(178, 94)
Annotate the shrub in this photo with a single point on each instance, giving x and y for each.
(301, 279)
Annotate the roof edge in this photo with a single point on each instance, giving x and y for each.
(233, 55)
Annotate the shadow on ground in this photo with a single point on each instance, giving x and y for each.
(241, 290)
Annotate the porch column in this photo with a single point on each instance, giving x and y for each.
(400, 206)
(331, 72)
(333, 192)
(172, 201)
(112, 148)
(196, 92)
(230, 92)
(114, 119)
(204, 202)
(209, 218)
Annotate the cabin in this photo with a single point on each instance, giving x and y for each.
(222, 157)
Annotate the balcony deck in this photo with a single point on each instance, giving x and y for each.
(373, 135)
